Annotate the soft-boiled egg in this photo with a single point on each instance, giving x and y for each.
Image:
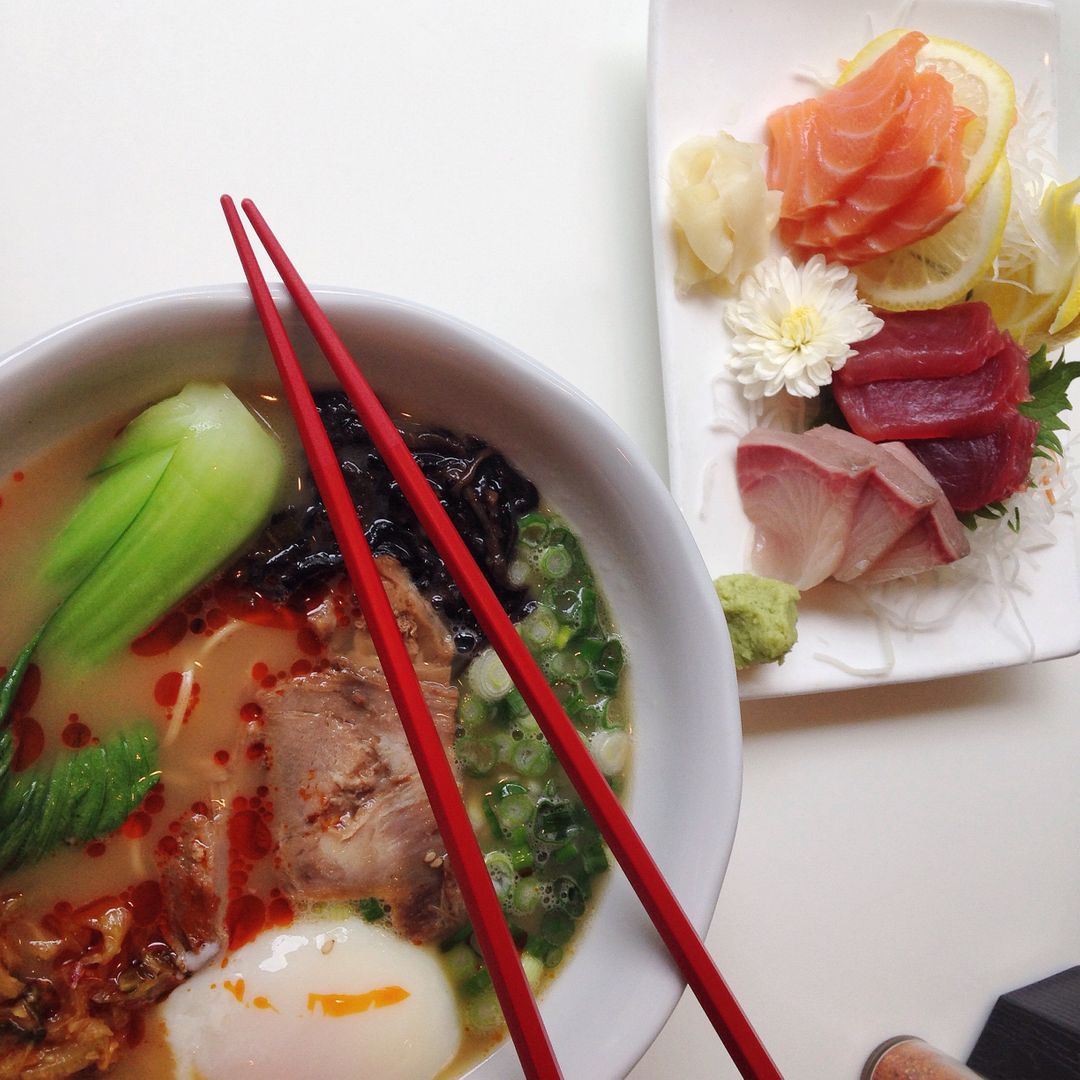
(323, 998)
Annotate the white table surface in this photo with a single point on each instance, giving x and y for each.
(904, 854)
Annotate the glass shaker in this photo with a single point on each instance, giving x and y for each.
(909, 1058)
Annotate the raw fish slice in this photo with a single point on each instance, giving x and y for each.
(933, 204)
(821, 147)
(924, 345)
(962, 406)
(893, 498)
(921, 142)
(936, 538)
(800, 493)
(926, 545)
(974, 472)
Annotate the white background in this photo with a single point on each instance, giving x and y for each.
(904, 854)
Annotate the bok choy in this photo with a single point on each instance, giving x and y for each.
(181, 489)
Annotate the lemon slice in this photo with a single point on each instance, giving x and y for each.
(941, 269)
(1039, 300)
(979, 84)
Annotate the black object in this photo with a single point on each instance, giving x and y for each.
(480, 490)
(1033, 1033)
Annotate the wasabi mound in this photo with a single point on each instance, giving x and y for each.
(761, 614)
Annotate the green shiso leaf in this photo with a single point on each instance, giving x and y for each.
(1049, 398)
(218, 484)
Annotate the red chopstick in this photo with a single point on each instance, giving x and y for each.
(504, 965)
(740, 1039)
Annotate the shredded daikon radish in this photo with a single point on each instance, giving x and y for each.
(888, 653)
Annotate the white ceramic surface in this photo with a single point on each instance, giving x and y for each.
(711, 70)
(685, 793)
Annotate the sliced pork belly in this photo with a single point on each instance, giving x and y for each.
(192, 884)
(974, 472)
(350, 812)
(933, 344)
(894, 497)
(960, 406)
(801, 494)
(935, 538)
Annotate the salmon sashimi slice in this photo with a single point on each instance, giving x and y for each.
(936, 201)
(922, 141)
(931, 344)
(873, 165)
(823, 146)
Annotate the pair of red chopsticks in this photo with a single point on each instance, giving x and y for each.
(518, 1005)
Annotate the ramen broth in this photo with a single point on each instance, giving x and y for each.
(195, 678)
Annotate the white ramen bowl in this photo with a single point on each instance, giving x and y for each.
(684, 792)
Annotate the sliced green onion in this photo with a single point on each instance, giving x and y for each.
(533, 529)
(501, 871)
(593, 715)
(554, 820)
(515, 704)
(515, 811)
(504, 745)
(488, 678)
(569, 666)
(482, 1014)
(567, 853)
(612, 658)
(589, 648)
(606, 682)
(531, 758)
(610, 749)
(517, 573)
(521, 858)
(555, 562)
(533, 967)
(526, 897)
(570, 897)
(473, 711)
(539, 628)
(557, 927)
(526, 727)
(461, 962)
(594, 859)
(461, 934)
(476, 756)
(477, 983)
(371, 908)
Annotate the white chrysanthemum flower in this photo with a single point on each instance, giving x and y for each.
(793, 326)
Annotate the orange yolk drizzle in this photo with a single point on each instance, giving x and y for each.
(348, 1004)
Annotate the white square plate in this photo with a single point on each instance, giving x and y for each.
(714, 65)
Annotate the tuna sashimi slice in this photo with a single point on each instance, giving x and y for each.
(821, 147)
(935, 538)
(977, 471)
(961, 406)
(933, 344)
(800, 494)
(893, 498)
